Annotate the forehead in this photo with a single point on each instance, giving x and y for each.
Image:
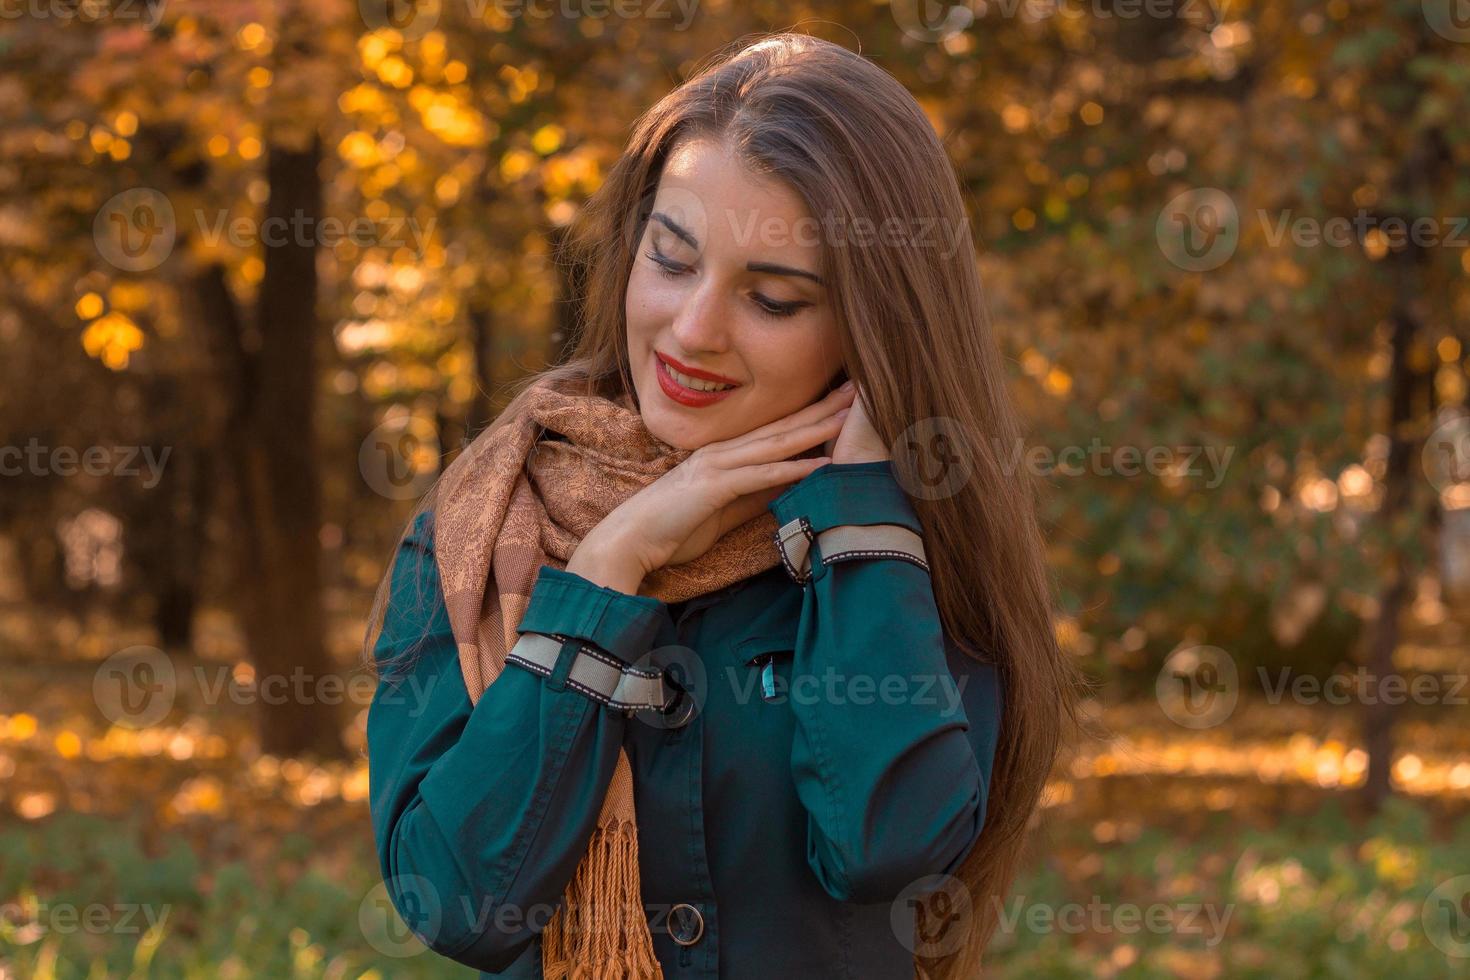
(707, 189)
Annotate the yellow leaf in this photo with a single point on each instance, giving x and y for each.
(68, 745)
(111, 339)
(547, 139)
(89, 306)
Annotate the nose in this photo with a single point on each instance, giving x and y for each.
(701, 324)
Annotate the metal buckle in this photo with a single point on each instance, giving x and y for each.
(794, 540)
(679, 709)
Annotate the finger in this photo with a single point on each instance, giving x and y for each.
(748, 506)
(752, 479)
(781, 445)
(822, 408)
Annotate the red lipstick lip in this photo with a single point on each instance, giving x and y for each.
(681, 395)
(694, 372)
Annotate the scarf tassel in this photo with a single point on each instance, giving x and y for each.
(574, 944)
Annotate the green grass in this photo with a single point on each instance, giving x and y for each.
(302, 918)
(1311, 897)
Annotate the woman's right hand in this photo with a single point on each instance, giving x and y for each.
(720, 486)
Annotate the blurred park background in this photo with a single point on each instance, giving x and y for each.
(265, 266)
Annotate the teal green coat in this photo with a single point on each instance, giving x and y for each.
(842, 751)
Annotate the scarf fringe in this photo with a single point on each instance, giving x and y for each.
(598, 934)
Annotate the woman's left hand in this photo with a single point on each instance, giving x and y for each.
(858, 441)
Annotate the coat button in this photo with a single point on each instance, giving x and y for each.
(686, 924)
(681, 711)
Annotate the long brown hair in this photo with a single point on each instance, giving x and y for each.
(856, 146)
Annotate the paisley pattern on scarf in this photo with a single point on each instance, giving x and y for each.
(521, 495)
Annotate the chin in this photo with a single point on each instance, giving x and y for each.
(682, 429)
(677, 432)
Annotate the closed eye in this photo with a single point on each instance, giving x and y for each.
(666, 265)
(773, 308)
(776, 308)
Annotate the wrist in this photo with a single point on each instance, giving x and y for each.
(604, 562)
(861, 456)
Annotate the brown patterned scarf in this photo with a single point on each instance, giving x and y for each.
(512, 502)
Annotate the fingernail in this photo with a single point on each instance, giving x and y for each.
(842, 414)
(846, 385)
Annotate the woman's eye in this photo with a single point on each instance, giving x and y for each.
(666, 266)
(775, 308)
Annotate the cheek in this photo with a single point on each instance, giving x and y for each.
(650, 303)
(636, 305)
(794, 368)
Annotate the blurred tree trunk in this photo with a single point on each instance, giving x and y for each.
(1410, 402)
(276, 467)
(165, 533)
(1383, 638)
(258, 445)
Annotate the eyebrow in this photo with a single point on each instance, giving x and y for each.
(772, 267)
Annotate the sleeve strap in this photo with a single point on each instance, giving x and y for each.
(846, 542)
(597, 675)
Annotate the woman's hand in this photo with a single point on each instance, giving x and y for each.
(858, 442)
(720, 486)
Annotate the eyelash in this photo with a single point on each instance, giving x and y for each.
(776, 311)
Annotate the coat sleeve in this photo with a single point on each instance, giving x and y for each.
(895, 736)
(481, 813)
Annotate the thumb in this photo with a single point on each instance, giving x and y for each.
(744, 508)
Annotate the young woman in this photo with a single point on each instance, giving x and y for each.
(705, 660)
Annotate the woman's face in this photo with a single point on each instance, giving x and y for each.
(725, 283)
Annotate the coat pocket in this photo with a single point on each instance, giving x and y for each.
(764, 653)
